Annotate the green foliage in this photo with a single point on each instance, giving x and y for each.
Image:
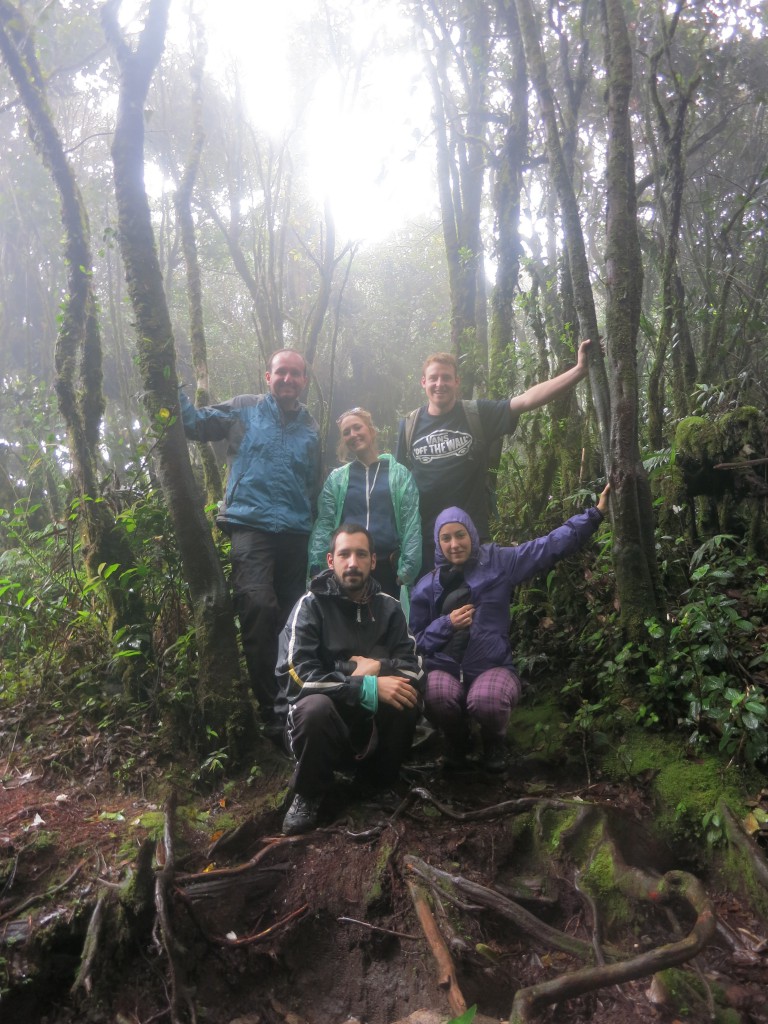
(465, 1018)
(706, 677)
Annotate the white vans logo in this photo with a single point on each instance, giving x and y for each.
(442, 444)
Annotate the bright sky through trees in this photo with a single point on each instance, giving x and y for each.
(362, 117)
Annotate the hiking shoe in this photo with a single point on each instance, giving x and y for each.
(494, 756)
(455, 759)
(302, 815)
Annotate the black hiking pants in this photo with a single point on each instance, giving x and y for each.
(269, 575)
(322, 742)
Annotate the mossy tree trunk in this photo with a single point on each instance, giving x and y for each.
(183, 207)
(78, 344)
(614, 392)
(634, 548)
(224, 713)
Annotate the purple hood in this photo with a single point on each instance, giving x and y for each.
(455, 515)
(491, 574)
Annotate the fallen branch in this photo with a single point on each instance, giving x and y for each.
(741, 464)
(675, 884)
(447, 973)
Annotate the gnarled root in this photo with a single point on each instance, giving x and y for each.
(674, 885)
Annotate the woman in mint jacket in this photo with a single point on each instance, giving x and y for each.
(377, 492)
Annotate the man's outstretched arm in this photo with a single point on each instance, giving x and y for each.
(549, 390)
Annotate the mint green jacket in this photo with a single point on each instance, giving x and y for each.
(405, 502)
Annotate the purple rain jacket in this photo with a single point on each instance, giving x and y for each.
(491, 573)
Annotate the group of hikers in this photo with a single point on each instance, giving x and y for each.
(341, 674)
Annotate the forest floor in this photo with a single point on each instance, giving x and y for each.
(261, 929)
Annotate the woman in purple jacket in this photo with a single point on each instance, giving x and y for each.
(460, 618)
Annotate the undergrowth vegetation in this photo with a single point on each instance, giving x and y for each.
(702, 673)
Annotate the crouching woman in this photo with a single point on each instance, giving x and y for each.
(460, 618)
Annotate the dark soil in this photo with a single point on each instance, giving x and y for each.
(322, 928)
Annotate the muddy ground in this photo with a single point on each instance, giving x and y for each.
(322, 928)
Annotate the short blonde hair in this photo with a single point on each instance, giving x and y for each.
(446, 358)
(367, 419)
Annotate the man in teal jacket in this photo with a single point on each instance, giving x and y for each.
(274, 465)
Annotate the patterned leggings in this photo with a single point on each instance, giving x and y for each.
(488, 700)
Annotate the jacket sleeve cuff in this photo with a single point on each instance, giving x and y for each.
(369, 694)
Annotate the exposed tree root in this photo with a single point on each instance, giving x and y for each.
(271, 844)
(120, 912)
(182, 1004)
(745, 843)
(518, 806)
(674, 885)
(492, 900)
(43, 896)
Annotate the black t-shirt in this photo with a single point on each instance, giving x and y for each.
(446, 464)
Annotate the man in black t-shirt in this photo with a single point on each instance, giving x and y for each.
(439, 441)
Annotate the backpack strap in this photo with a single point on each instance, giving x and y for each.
(409, 429)
(472, 414)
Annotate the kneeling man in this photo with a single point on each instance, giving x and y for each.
(350, 676)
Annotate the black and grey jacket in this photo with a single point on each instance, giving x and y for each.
(326, 628)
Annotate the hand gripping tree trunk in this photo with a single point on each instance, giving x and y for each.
(614, 393)
(634, 547)
(571, 218)
(78, 345)
(224, 713)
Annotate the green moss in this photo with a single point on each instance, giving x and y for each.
(690, 998)
(738, 874)
(698, 438)
(154, 823)
(382, 860)
(684, 790)
(599, 878)
(44, 840)
(740, 429)
(539, 729)
(223, 823)
(558, 822)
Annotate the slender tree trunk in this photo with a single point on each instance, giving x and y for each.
(508, 183)
(224, 714)
(183, 206)
(633, 546)
(459, 116)
(671, 183)
(571, 218)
